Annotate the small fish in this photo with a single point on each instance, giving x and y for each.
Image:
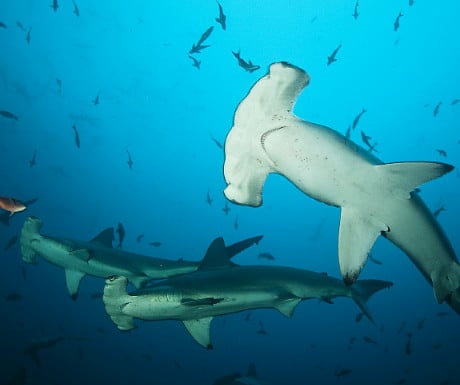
(436, 109)
(266, 256)
(401, 327)
(366, 140)
(408, 347)
(3, 25)
(411, 3)
(376, 261)
(222, 19)
(28, 37)
(59, 85)
(357, 118)
(218, 144)
(121, 234)
(359, 317)
(369, 340)
(342, 372)
(247, 317)
(438, 211)
(20, 26)
(75, 8)
(12, 205)
(246, 65)
(208, 198)
(139, 238)
(441, 152)
(262, 330)
(396, 23)
(355, 11)
(54, 5)
(196, 48)
(96, 99)
(235, 223)
(77, 136)
(348, 132)
(226, 209)
(13, 297)
(454, 102)
(8, 115)
(421, 323)
(130, 160)
(196, 62)
(442, 314)
(12, 241)
(332, 58)
(155, 243)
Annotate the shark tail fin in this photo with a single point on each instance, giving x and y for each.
(115, 298)
(364, 289)
(30, 233)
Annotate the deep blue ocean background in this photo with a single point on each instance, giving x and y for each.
(155, 105)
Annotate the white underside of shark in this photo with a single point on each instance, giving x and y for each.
(375, 198)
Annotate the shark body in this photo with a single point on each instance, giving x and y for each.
(218, 288)
(375, 198)
(98, 258)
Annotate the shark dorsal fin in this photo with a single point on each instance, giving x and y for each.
(216, 256)
(104, 238)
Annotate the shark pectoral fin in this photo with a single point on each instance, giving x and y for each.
(405, 177)
(287, 307)
(357, 234)
(73, 278)
(83, 254)
(199, 329)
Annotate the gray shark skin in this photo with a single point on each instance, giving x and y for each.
(217, 288)
(98, 258)
(375, 198)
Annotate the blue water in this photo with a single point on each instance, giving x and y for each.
(155, 105)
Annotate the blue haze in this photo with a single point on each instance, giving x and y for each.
(165, 112)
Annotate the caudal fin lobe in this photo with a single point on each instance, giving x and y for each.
(365, 289)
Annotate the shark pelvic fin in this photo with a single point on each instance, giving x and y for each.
(73, 278)
(199, 329)
(407, 176)
(357, 234)
(104, 238)
(115, 298)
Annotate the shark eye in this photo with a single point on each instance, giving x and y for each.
(112, 278)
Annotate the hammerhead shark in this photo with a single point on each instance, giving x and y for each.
(375, 197)
(220, 287)
(98, 258)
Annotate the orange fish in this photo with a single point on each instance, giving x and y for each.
(12, 205)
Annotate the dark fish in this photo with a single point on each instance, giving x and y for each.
(246, 65)
(155, 243)
(121, 234)
(408, 348)
(369, 340)
(218, 144)
(222, 19)
(421, 323)
(438, 211)
(13, 297)
(247, 317)
(20, 26)
(196, 62)
(8, 115)
(359, 317)
(59, 85)
(266, 256)
(208, 198)
(332, 58)
(411, 3)
(130, 160)
(226, 209)
(33, 349)
(357, 118)
(139, 238)
(348, 132)
(28, 35)
(367, 141)
(441, 152)
(12, 241)
(77, 137)
(96, 99)
(196, 48)
(442, 314)
(355, 11)
(235, 223)
(75, 8)
(454, 102)
(54, 5)
(342, 372)
(262, 330)
(396, 23)
(376, 261)
(436, 109)
(3, 25)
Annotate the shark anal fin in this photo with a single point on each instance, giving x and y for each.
(73, 278)
(287, 306)
(199, 329)
(357, 235)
